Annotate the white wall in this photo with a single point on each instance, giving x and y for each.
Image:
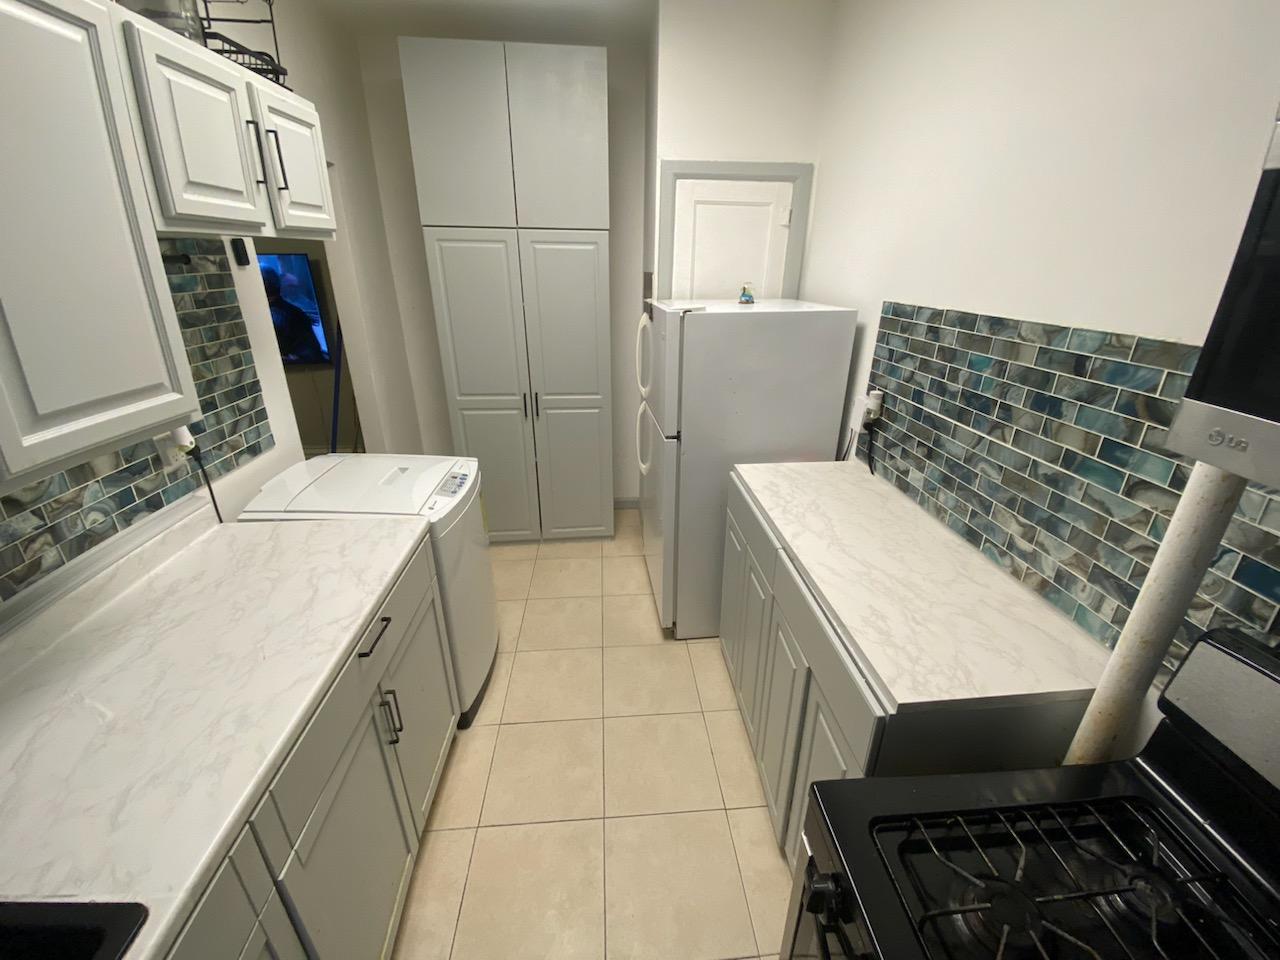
(1074, 163)
(320, 54)
(741, 79)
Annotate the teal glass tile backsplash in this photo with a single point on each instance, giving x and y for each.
(1043, 447)
(52, 521)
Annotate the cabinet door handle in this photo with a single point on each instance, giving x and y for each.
(284, 174)
(537, 412)
(391, 722)
(524, 402)
(395, 704)
(262, 156)
(386, 622)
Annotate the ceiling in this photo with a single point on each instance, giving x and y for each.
(569, 20)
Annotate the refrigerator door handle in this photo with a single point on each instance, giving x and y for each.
(644, 467)
(640, 329)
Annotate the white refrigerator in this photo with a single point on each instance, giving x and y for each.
(724, 383)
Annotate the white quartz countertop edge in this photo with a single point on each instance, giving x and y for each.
(169, 911)
(1073, 678)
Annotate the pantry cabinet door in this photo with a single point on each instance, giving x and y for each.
(559, 134)
(90, 349)
(565, 276)
(297, 171)
(206, 149)
(455, 94)
(475, 288)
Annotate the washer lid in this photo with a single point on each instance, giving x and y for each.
(357, 483)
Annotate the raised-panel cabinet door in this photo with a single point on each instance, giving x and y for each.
(90, 349)
(475, 288)
(756, 608)
(455, 94)
(565, 278)
(418, 687)
(206, 148)
(348, 875)
(823, 754)
(732, 597)
(786, 675)
(559, 134)
(297, 172)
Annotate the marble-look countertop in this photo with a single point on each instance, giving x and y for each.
(925, 615)
(135, 744)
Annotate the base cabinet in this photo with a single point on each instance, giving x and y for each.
(731, 594)
(782, 703)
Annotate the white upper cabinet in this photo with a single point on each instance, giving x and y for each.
(456, 98)
(90, 349)
(297, 172)
(559, 134)
(206, 148)
(508, 134)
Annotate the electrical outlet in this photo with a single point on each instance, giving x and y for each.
(875, 406)
(170, 454)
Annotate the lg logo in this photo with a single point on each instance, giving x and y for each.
(1220, 438)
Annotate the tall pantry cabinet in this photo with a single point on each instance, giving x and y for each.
(510, 156)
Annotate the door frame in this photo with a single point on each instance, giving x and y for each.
(799, 175)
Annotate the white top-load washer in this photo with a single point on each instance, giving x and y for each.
(446, 490)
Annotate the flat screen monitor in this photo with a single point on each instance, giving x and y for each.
(295, 307)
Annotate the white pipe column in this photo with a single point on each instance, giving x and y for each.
(1196, 529)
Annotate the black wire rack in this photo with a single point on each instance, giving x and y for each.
(262, 62)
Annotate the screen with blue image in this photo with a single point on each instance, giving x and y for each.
(295, 308)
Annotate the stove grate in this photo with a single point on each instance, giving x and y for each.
(1103, 879)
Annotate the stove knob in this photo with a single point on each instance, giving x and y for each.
(821, 891)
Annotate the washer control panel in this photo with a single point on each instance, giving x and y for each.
(452, 485)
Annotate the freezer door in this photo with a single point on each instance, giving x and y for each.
(658, 362)
(659, 477)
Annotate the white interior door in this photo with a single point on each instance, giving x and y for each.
(297, 170)
(727, 233)
(206, 149)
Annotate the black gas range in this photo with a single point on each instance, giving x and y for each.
(1174, 854)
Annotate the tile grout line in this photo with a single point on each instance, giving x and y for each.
(604, 786)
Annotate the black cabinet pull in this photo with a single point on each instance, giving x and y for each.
(284, 174)
(536, 411)
(395, 703)
(391, 722)
(262, 155)
(386, 622)
(524, 402)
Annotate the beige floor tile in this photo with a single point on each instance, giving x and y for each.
(625, 543)
(735, 763)
(625, 575)
(765, 874)
(715, 689)
(673, 889)
(561, 624)
(626, 520)
(461, 792)
(511, 578)
(513, 551)
(631, 621)
(658, 764)
(535, 892)
(554, 685)
(546, 771)
(495, 695)
(569, 549)
(510, 613)
(654, 679)
(565, 578)
(431, 908)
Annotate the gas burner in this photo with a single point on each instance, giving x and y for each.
(1141, 894)
(999, 914)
